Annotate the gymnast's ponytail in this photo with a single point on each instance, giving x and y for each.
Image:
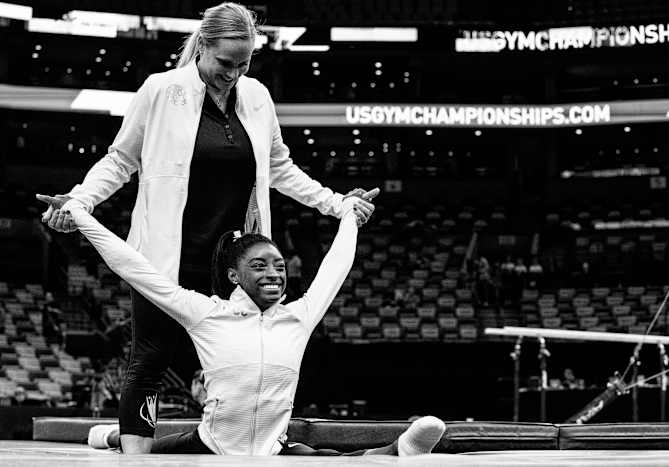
(230, 248)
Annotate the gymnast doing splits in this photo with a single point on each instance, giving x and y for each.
(250, 346)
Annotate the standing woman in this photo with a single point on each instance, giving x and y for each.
(206, 143)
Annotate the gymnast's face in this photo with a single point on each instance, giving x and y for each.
(261, 272)
(223, 62)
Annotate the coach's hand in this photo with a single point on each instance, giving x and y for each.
(363, 194)
(363, 207)
(53, 216)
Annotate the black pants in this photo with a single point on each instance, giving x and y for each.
(181, 443)
(190, 443)
(156, 340)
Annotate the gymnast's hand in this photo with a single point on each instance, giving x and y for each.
(363, 208)
(54, 217)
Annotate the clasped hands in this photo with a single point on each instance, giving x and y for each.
(363, 207)
(54, 216)
(61, 221)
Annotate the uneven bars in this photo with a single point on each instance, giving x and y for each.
(512, 331)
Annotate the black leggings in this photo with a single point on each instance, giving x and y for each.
(156, 339)
(190, 443)
(181, 443)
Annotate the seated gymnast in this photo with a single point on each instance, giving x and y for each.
(250, 346)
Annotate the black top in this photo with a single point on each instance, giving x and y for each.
(222, 175)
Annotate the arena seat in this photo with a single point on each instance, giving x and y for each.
(24, 297)
(388, 312)
(429, 332)
(8, 360)
(391, 331)
(352, 331)
(468, 332)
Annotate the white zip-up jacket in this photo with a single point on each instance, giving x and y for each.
(251, 359)
(157, 139)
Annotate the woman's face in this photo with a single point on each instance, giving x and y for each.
(261, 272)
(222, 63)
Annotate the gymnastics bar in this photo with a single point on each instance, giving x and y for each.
(512, 331)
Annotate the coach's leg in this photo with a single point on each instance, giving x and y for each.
(153, 337)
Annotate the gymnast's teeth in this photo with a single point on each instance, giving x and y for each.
(271, 286)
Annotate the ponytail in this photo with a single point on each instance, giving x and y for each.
(189, 49)
(225, 21)
(220, 284)
(229, 249)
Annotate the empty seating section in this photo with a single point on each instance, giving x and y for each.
(605, 242)
(412, 279)
(27, 359)
(456, 315)
(624, 309)
(405, 282)
(408, 283)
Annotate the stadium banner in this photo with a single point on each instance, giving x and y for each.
(359, 115)
(476, 116)
(580, 37)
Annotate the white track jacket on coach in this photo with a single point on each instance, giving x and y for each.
(157, 139)
(251, 359)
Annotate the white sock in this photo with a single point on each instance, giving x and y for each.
(421, 437)
(98, 436)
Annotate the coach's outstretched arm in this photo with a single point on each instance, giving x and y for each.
(112, 171)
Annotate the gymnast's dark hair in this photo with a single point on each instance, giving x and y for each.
(226, 255)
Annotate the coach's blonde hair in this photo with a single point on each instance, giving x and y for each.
(225, 21)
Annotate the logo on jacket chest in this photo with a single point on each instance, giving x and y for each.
(176, 95)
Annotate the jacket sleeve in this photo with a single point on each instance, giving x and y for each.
(185, 306)
(334, 268)
(123, 156)
(290, 180)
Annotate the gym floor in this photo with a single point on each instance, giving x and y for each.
(53, 454)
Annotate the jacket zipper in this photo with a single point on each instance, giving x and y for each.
(255, 408)
(213, 417)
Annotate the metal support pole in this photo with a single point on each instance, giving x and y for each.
(635, 389)
(515, 356)
(543, 366)
(664, 361)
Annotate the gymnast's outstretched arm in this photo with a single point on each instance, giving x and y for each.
(186, 306)
(334, 268)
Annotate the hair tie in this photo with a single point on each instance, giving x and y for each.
(236, 235)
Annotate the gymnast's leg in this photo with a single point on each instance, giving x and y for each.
(420, 438)
(189, 442)
(181, 443)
